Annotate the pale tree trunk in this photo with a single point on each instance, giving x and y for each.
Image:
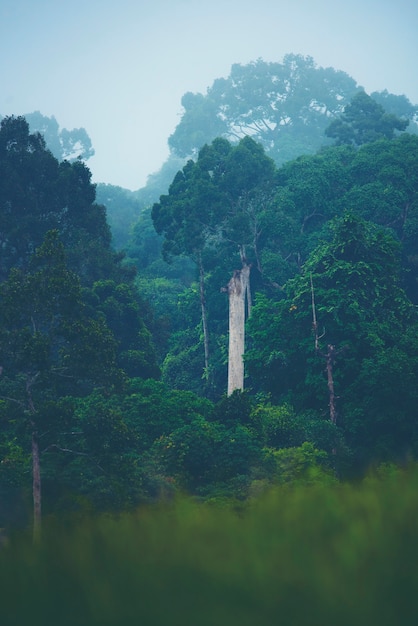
(237, 292)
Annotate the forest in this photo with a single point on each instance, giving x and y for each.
(239, 337)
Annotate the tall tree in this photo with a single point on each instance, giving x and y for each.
(363, 121)
(238, 288)
(185, 217)
(361, 307)
(38, 194)
(48, 346)
(285, 106)
(64, 144)
(215, 205)
(64, 330)
(246, 183)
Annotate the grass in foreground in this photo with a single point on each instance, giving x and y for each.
(305, 556)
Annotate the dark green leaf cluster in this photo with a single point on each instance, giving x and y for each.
(71, 322)
(345, 219)
(364, 120)
(362, 310)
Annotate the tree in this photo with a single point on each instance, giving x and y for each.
(38, 194)
(399, 106)
(214, 206)
(199, 125)
(246, 184)
(284, 106)
(124, 314)
(361, 307)
(363, 121)
(123, 209)
(214, 453)
(384, 190)
(377, 180)
(237, 292)
(189, 216)
(64, 144)
(28, 174)
(41, 313)
(330, 357)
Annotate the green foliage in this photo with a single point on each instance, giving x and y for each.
(14, 471)
(204, 454)
(183, 366)
(124, 312)
(224, 180)
(82, 343)
(144, 245)
(200, 124)
(36, 309)
(233, 409)
(278, 425)
(233, 184)
(397, 105)
(304, 465)
(321, 554)
(364, 121)
(214, 456)
(150, 409)
(64, 330)
(122, 210)
(98, 454)
(362, 310)
(284, 106)
(38, 194)
(139, 239)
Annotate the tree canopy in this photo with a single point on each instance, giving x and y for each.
(364, 120)
(284, 106)
(64, 144)
(70, 321)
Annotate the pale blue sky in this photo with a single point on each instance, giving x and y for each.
(120, 68)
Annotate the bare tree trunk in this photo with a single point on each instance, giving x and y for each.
(36, 486)
(237, 292)
(36, 464)
(204, 316)
(330, 356)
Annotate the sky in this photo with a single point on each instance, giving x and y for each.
(119, 68)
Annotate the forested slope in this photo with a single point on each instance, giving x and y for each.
(114, 365)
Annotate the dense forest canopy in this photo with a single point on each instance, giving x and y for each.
(114, 364)
(286, 106)
(67, 301)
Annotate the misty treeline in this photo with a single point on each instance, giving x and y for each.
(114, 304)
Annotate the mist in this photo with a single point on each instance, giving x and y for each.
(120, 69)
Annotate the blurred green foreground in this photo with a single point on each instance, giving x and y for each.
(343, 555)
